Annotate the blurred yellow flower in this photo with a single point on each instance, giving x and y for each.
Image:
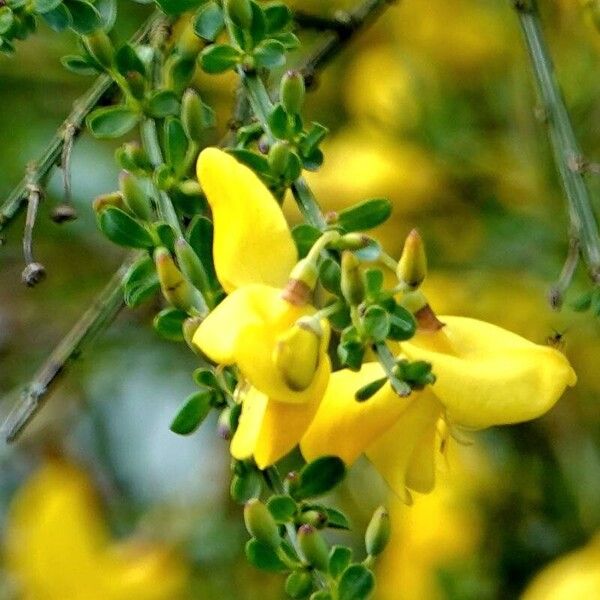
(576, 575)
(59, 548)
(485, 376)
(267, 336)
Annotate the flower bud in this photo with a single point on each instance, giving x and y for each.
(352, 284)
(191, 265)
(240, 12)
(100, 47)
(261, 524)
(279, 157)
(313, 546)
(296, 353)
(412, 267)
(377, 535)
(299, 585)
(352, 241)
(292, 92)
(192, 115)
(175, 288)
(105, 200)
(135, 197)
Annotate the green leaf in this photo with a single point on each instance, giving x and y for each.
(339, 559)
(373, 282)
(356, 583)
(278, 122)
(127, 60)
(168, 324)
(111, 121)
(140, 283)
(176, 7)
(162, 103)
(402, 324)
(245, 487)
(209, 21)
(283, 508)
(369, 390)
(78, 64)
(219, 58)
(277, 16)
(44, 6)
(176, 144)
(256, 162)
(6, 19)
(166, 235)
(376, 323)
(351, 350)
(319, 477)
(336, 519)
(84, 17)
(123, 230)
(582, 303)
(270, 54)
(200, 237)
(366, 215)
(205, 378)
(263, 557)
(196, 408)
(108, 13)
(314, 136)
(330, 276)
(58, 19)
(289, 40)
(305, 236)
(258, 29)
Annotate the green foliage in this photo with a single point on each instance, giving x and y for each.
(124, 230)
(356, 583)
(319, 477)
(193, 412)
(112, 121)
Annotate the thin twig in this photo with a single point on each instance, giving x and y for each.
(98, 316)
(16, 200)
(567, 153)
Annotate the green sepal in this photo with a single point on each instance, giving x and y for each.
(319, 477)
(196, 408)
(123, 230)
(111, 121)
(168, 324)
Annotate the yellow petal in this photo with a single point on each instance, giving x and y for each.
(247, 433)
(489, 376)
(218, 334)
(405, 454)
(345, 427)
(252, 240)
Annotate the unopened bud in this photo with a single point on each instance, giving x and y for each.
(297, 352)
(299, 585)
(240, 12)
(100, 47)
(352, 241)
(135, 197)
(279, 157)
(292, 92)
(175, 288)
(377, 535)
(412, 267)
(352, 284)
(105, 200)
(313, 546)
(261, 524)
(192, 116)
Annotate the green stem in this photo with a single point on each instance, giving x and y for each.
(388, 362)
(94, 321)
(567, 153)
(16, 200)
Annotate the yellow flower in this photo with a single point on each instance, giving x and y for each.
(485, 376)
(59, 548)
(278, 350)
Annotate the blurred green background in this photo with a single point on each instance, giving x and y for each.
(434, 108)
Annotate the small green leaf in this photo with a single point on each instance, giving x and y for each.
(330, 276)
(123, 230)
(263, 557)
(283, 508)
(176, 144)
(373, 282)
(278, 122)
(84, 17)
(336, 519)
(200, 237)
(314, 136)
(168, 324)
(376, 323)
(258, 29)
(209, 21)
(58, 19)
(78, 64)
(319, 477)
(305, 236)
(176, 7)
(111, 122)
(299, 584)
(140, 283)
(192, 414)
(339, 559)
(205, 378)
(166, 235)
(402, 324)
(366, 215)
(219, 58)
(369, 390)
(108, 13)
(582, 303)
(277, 16)
(245, 487)
(289, 40)
(44, 6)
(256, 162)
(7, 19)
(356, 583)
(128, 60)
(270, 54)
(162, 103)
